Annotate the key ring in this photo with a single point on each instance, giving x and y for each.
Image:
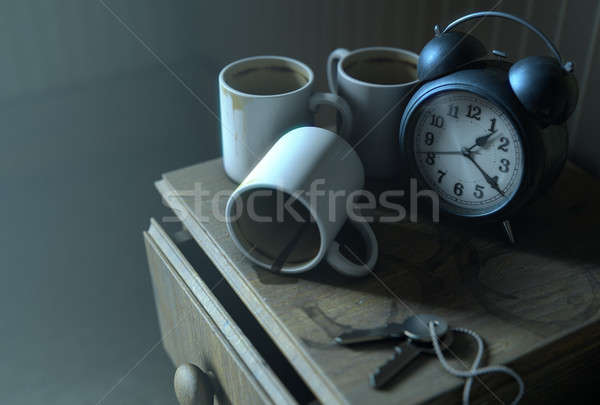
(475, 370)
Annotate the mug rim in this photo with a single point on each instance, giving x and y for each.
(404, 52)
(304, 66)
(285, 269)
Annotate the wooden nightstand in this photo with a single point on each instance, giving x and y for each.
(244, 335)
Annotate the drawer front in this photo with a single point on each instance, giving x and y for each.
(196, 329)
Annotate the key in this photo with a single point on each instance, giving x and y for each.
(390, 331)
(411, 327)
(404, 354)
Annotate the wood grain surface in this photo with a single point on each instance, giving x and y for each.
(197, 330)
(536, 303)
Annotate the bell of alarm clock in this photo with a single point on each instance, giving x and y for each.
(546, 89)
(447, 53)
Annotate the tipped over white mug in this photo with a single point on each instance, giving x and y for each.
(296, 240)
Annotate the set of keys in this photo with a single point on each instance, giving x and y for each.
(416, 339)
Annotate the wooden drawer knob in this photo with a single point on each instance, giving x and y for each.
(193, 386)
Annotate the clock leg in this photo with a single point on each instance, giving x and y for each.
(509, 232)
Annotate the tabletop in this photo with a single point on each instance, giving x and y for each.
(536, 303)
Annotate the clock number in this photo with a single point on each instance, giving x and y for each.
(442, 174)
(458, 188)
(430, 158)
(492, 125)
(453, 111)
(504, 145)
(429, 138)
(478, 193)
(437, 121)
(474, 112)
(505, 164)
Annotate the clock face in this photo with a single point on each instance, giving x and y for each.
(468, 151)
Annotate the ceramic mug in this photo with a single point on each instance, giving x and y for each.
(376, 82)
(295, 240)
(261, 98)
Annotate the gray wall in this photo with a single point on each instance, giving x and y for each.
(90, 118)
(52, 45)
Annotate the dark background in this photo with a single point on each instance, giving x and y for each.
(93, 110)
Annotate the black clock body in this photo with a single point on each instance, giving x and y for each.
(544, 147)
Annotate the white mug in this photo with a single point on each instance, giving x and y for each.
(376, 82)
(262, 98)
(297, 238)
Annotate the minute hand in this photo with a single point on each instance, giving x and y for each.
(491, 180)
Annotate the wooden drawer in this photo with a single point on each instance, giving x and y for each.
(196, 329)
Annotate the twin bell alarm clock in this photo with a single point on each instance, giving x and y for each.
(486, 134)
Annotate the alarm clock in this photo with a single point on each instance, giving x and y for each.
(487, 135)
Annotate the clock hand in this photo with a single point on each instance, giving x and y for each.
(475, 152)
(481, 141)
(490, 141)
(442, 153)
(492, 181)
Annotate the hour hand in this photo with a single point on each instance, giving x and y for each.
(481, 141)
(488, 140)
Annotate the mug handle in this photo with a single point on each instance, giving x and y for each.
(336, 102)
(332, 61)
(344, 266)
